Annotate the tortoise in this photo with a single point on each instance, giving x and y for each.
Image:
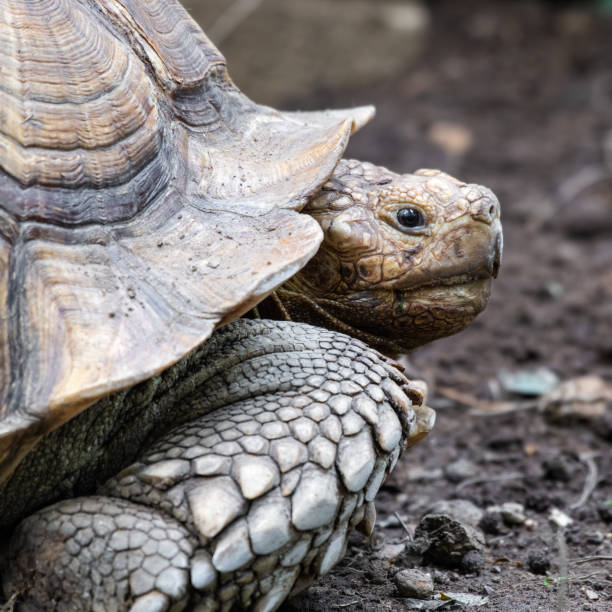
(203, 460)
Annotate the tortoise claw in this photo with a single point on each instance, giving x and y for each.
(425, 420)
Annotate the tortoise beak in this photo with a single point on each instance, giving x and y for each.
(495, 258)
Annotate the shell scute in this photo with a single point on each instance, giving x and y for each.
(77, 109)
(184, 54)
(180, 54)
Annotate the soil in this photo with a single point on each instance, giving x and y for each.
(516, 96)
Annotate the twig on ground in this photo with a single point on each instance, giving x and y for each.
(237, 12)
(354, 570)
(403, 524)
(521, 583)
(480, 407)
(478, 479)
(593, 558)
(585, 577)
(354, 558)
(563, 570)
(590, 481)
(9, 606)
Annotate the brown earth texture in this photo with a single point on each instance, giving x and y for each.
(516, 96)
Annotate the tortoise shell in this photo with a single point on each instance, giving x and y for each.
(144, 200)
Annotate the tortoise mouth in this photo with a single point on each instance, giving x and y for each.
(431, 311)
(396, 320)
(454, 292)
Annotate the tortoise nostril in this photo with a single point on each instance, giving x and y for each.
(485, 209)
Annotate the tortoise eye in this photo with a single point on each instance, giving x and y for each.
(410, 218)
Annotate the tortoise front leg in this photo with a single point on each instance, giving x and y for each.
(100, 553)
(255, 499)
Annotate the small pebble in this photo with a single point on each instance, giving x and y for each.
(522, 541)
(414, 583)
(391, 551)
(600, 586)
(448, 539)
(530, 524)
(530, 383)
(594, 537)
(461, 510)
(559, 518)
(605, 512)
(590, 593)
(559, 468)
(539, 503)
(513, 513)
(472, 562)
(538, 562)
(440, 577)
(377, 572)
(460, 470)
(492, 523)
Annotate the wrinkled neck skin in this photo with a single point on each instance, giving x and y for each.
(392, 278)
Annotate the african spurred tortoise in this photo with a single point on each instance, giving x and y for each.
(145, 202)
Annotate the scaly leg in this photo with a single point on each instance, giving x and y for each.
(240, 506)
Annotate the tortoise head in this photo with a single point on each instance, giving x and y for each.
(405, 259)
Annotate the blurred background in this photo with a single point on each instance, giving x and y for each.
(513, 95)
(516, 95)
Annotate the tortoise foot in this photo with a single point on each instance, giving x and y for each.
(102, 554)
(254, 499)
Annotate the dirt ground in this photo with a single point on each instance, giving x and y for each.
(517, 96)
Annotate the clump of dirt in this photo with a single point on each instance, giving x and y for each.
(515, 96)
